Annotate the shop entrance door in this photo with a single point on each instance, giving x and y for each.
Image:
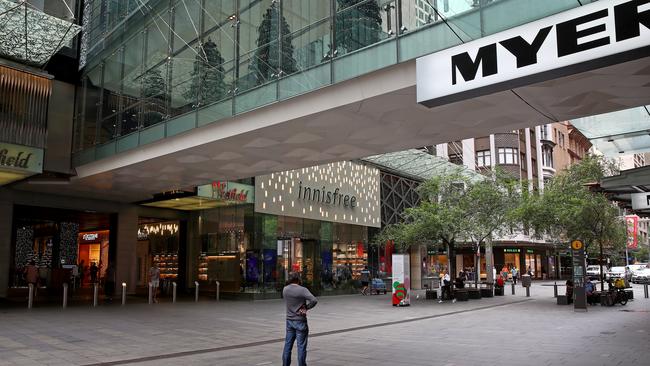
(303, 256)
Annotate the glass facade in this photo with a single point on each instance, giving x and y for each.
(251, 254)
(160, 67)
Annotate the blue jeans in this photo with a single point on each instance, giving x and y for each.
(299, 330)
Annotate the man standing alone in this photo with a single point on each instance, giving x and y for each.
(298, 300)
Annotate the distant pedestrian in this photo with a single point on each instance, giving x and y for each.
(93, 272)
(365, 280)
(154, 278)
(31, 274)
(298, 300)
(515, 274)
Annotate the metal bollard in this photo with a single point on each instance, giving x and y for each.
(528, 291)
(65, 295)
(645, 290)
(218, 284)
(150, 293)
(513, 288)
(555, 289)
(196, 292)
(95, 294)
(123, 293)
(174, 292)
(30, 298)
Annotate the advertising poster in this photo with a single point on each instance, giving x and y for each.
(632, 224)
(401, 280)
(252, 271)
(270, 261)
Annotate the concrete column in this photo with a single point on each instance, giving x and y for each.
(127, 239)
(416, 272)
(469, 154)
(6, 213)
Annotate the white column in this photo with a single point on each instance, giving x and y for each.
(538, 145)
(442, 151)
(529, 160)
(6, 213)
(127, 239)
(493, 151)
(469, 154)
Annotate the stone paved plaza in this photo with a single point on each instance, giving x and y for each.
(345, 330)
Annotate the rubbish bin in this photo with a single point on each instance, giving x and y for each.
(525, 280)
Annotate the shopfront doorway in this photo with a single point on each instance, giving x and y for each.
(302, 256)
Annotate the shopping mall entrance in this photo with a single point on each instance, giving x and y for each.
(303, 256)
(66, 246)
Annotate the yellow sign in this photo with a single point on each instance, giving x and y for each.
(576, 245)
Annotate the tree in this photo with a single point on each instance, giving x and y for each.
(569, 210)
(357, 26)
(439, 218)
(154, 90)
(267, 61)
(208, 83)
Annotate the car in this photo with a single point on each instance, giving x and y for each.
(593, 272)
(637, 266)
(618, 272)
(641, 276)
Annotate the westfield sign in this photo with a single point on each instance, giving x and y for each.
(577, 40)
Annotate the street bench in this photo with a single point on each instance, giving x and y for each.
(461, 294)
(474, 293)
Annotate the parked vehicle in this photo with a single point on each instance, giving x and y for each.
(638, 266)
(618, 272)
(641, 276)
(593, 272)
(378, 286)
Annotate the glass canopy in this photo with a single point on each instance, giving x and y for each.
(622, 132)
(419, 165)
(30, 36)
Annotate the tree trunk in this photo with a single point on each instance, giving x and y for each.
(600, 263)
(451, 260)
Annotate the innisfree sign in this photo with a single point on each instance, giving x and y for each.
(577, 40)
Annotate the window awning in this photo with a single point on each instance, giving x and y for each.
(30, 36)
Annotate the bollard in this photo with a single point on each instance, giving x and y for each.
(527, 291)
(174, 292)
(555, 289)
(30, 298)
(218, 284)
(95, 294)
(65, 295)
(150, 293)
(196, 292)
(123, 293)
(645, 290)
(513, 288)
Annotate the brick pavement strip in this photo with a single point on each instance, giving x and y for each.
(346, 330)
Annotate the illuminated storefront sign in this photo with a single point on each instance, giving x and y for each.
(511, 250)
(227, 191)
(342, 192)
(18, 162)
(577, 40)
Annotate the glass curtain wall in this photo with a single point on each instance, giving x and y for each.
(192, 62)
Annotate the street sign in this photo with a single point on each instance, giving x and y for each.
(578, 257)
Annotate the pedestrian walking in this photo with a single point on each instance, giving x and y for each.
(109, 283)
(298, 300)
(365, 280)
(93, 272)
(515, 274)
(154, 278)
(32, 276)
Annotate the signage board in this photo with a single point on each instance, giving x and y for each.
(640, 201)
(342, 192)
(577, 40)
(18, 162)
(227, 191)
(578, 258)
(401, 280)
(511, 250)
(632, 229)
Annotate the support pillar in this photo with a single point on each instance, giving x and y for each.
(416, 272)
(6, 213)
(127, 238)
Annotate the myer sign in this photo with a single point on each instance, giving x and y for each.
(584, 38)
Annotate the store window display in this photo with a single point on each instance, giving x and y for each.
(158, 244)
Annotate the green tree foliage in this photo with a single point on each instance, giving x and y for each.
(153, 84)
(208, 75)
(267, 61)
(357, 26)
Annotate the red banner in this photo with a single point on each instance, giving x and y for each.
(632, 226)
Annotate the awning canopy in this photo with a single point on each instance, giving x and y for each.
(620, 187)
(30, 36)
(616, 133)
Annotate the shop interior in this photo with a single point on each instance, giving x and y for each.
(158, 245)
